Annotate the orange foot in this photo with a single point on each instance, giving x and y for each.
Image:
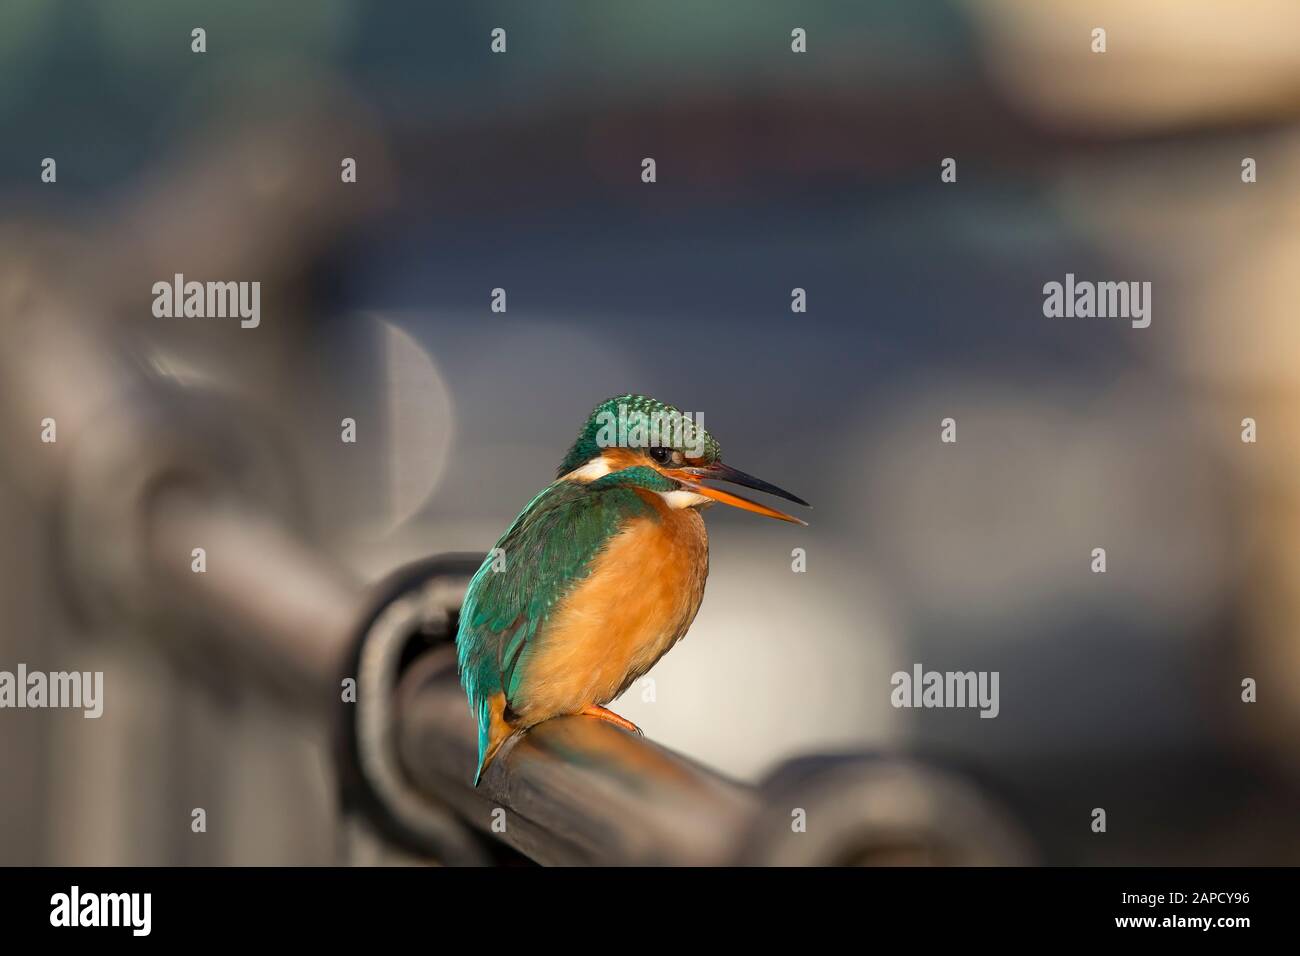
(595, 710)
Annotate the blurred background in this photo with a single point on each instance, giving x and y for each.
(776, 170)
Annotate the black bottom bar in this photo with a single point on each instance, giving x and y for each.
(340, 906)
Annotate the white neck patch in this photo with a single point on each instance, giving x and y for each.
(596, 468)
(681, 498)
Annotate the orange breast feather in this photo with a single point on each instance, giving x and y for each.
(637, 602)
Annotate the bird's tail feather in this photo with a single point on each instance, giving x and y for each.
(493, 731)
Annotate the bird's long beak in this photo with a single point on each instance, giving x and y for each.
(720, 472)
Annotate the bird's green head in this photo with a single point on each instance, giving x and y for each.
(638, 423)
(659, 448)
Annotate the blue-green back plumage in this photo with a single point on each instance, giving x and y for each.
(547, 550)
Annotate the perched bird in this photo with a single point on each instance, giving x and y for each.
(599, 576)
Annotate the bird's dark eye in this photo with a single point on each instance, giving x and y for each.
(661, 456)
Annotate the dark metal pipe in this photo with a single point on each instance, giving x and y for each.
(573, 790)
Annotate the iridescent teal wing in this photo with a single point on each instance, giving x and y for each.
(546, 551)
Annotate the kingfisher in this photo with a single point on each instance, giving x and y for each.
(600, 575)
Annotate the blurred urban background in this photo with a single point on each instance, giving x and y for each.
(776, 170)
